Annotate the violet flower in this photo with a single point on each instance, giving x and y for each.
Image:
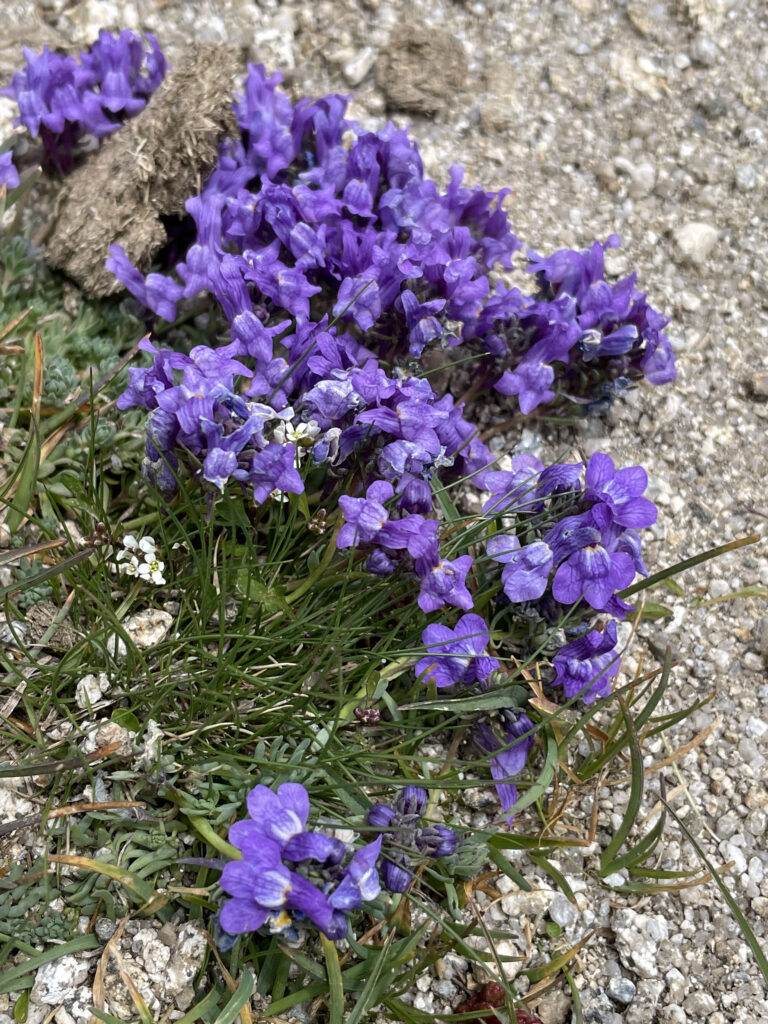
(510, 752)
(456, 656)
(586, 667)
(289, 876)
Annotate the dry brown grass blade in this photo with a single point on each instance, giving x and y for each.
(697, 740)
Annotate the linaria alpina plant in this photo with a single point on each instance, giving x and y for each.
(338, 623)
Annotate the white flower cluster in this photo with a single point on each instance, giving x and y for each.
(139, 558)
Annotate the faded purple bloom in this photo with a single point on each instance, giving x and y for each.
(456, 656)
(586, 667)
(509, 753)
(405, 836)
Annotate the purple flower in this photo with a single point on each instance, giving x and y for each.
(594, 574)
(526, 570)
(586, 667)
(444, 583)
(60, 98)
(365, 517)
(513, 490)
(288, 875)
(420, 320)
(509, 753)
(274, 469)
(9, 176)
(405, 836)
(155, 291)
(457, 656)
(619, 493)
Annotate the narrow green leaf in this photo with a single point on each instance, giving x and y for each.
(200, 1010)
(504, 866)
(335, 984)
(557, 876)
(735, 909)
(607, 859)
(557, 962)
(511, 697)
(365, 999)
(237, 1000)
(688, 563)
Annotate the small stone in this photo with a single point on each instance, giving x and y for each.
(676, 985)
(563, 912)
(699, 1004)
(637, 940)
(90, 689)
(356, 69)
(149, 627)
(757, 727)
(58, 981)
(690, 302)
(745, 177)
(758, 384)
(695, 240)
(116, 647)
(622, 990)
(527, 904)
(726, 826)
(596, 1006)
(704, 51)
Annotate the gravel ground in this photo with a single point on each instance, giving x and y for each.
(647, 119)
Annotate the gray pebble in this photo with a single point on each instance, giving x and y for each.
(563, 911)
(699, 1004)
(745, 177)
(622, 990)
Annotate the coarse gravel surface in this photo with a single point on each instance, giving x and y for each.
(647, 119)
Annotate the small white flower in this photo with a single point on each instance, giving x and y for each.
(278, 495)
(147, 545)
(130, 568)
(130, 544)
(152, 571)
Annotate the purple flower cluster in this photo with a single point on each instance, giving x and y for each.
(62, 98)
(581, 539)
(204, 421)
(404, 835)
(595, 329)
(288, 876)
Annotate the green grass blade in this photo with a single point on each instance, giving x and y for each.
(200, 1010)
(335, 983)
(735, 909)
(607, 860)
(237, 1000)
(688, 563)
